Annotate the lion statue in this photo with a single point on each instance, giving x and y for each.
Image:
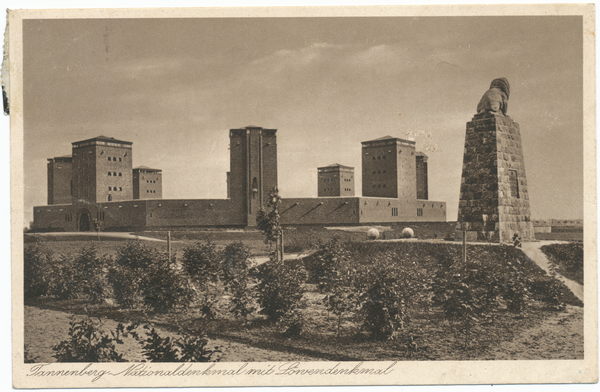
(495, 100)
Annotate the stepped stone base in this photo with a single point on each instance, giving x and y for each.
(494, 202)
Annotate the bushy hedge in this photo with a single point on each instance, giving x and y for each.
(388, 290)
(235, 267)
(62, 277)
(324, 265)
(493, 279)
(201, 261)
(36, 271)
(138, 276)
(280, 289)
(141, 275)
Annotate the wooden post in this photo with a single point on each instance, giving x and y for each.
(281, 242)
(464, 247)
(279, 246)
(169, 245)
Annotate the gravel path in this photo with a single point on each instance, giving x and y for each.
(45, 328)
(534, 252)
(84, 235)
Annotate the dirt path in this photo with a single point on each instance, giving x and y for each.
(45, 328)
(534, 252)
(258, 260)
(559, 337)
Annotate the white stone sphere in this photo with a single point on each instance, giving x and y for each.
(373, 234)
(408, 233)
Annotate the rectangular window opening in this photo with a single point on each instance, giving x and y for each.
(513, 179)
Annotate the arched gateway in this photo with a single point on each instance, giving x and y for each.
(84, 221)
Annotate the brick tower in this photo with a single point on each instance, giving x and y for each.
(494, 202)
(335, 180)
(253, 169)
(422, 186)
(101, 170)
(60, 184)
(147, 183)
(388, 168)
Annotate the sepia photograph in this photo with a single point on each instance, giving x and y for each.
(302, 196)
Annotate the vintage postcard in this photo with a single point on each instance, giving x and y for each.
(302, 196)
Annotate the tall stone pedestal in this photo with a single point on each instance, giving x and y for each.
(494, 202)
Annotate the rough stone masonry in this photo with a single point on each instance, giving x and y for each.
(494, 202)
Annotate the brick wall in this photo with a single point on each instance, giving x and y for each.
(355, 210)
(379, 210)
(193, 212)
(430, 211)
(55, 216)
(322, 210)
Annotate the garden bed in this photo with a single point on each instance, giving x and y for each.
(353, 300)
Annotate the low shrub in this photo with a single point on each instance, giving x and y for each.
(279, 290)
(82, 276)
(491, 280)
(142, 276)
(292, 324)
(235, 267)
(566, 259)
(340, 301)
(125, 283)
(325, 264)
(201, 261)
(91, 281)
(388, 288)
(87, 344)
(235, 260)
(64, 279)
(329, 268)
(554, 294)
(36, 279)
(190, 347)
(164, 288)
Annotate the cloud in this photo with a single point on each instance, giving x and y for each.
(148, 67)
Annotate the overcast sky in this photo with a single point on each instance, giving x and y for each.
(174, 87)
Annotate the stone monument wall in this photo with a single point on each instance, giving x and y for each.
(494, 202)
